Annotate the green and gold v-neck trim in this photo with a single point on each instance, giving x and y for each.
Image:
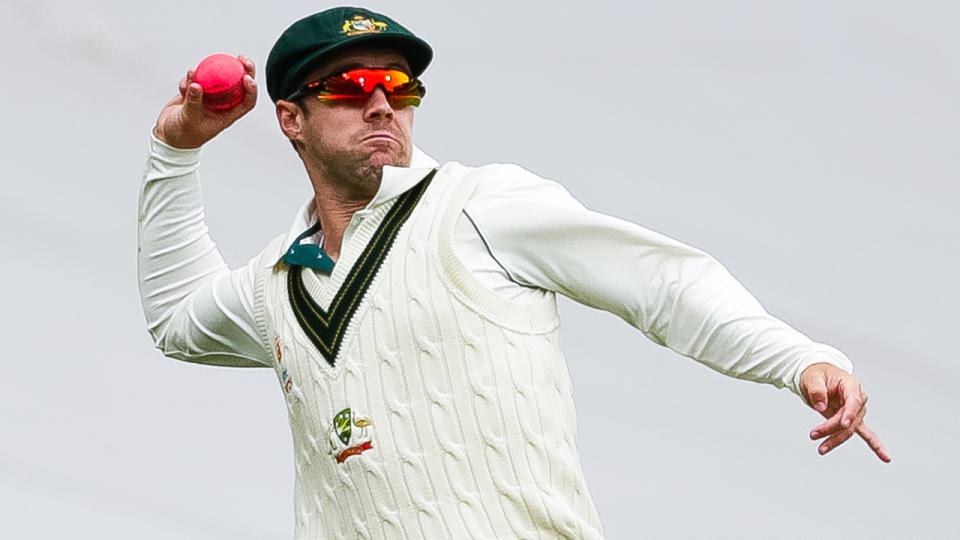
(326, 328)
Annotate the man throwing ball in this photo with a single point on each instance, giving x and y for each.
(409, 314)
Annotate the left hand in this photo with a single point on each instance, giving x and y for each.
(837, 395)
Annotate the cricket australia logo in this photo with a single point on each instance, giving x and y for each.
(349, 435)
(362, 25)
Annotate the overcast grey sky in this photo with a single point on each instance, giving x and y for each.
(810, 146)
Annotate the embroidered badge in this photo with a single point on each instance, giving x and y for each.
(342, 435)
(362, 25)
(286, 381)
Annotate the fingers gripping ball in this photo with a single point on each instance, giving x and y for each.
(221, 77)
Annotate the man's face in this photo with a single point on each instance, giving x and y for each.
(349, 139)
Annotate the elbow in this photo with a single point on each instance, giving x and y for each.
(162, 341)
(161, 325)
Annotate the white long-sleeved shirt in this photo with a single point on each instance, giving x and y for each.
(519, 234)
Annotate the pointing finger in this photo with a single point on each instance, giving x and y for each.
(873, 441)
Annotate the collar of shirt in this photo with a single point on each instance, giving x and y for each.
(395, 181)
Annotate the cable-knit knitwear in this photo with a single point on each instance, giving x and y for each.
(448, 411)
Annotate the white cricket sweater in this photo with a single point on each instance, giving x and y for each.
(455, 408)
(516, 230)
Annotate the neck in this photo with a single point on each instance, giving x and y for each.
(337, 199)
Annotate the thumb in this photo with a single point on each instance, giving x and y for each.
(193, 101)
(816, 392)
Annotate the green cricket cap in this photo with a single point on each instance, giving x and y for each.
(314, 38)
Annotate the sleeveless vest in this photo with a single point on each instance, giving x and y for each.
(422, 405)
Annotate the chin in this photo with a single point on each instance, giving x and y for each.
(394, 158)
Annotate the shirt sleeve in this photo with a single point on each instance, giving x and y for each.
(197, 309)
(677, 295)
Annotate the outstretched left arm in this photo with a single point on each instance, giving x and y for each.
(675, 294)
(837, 395)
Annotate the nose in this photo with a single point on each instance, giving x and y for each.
(378, 106)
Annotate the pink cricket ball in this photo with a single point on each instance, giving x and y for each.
(221, 77)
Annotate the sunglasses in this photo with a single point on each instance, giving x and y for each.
(358, 85)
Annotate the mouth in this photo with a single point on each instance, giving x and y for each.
(380, 137)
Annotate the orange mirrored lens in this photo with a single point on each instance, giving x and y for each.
(370, 78)
(358, 84)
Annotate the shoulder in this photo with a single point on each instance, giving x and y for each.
(271, 253)
(496, 180)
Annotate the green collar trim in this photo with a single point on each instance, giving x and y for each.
(309, 255)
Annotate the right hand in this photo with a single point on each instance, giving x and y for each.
(185, 123)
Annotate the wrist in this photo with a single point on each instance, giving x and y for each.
(174, 142)
(172, 154)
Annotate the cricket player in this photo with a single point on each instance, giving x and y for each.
(409, 314)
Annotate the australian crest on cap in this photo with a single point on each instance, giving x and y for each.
(362, 25)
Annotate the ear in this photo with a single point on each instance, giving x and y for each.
(290, 117)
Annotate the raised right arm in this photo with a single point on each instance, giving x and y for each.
(197, 309)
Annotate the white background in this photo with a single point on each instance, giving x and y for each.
(810, 146)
